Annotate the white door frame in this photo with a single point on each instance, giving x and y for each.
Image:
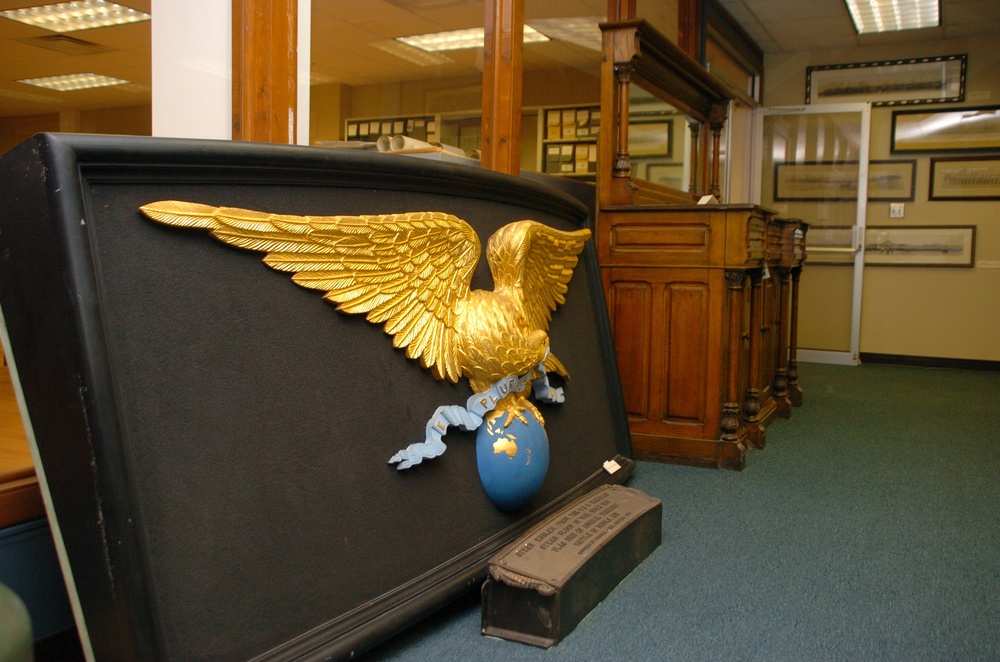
(852, 356)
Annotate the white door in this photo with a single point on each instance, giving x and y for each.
(814, 166)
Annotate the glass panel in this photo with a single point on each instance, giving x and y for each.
(811, 170)
(365, 83)
(562, 88)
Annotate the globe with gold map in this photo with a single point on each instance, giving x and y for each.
(512, 459)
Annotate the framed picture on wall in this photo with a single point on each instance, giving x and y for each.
(821, 181)
(892, 181)
(939, 79)
(920, 246)
(815, 181)
(898, 246)
(952, 130)
(650, 138)
(665, 174)
(971, 178)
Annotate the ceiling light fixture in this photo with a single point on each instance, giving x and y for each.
(71, 82)
(580, 30)
(892, 15)
(459, 39)
(82, 15)
(412, 54)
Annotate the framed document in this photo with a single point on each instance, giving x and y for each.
(938, 79)
(972, 178)
(953, 130)
(818, 181)
(920, 246)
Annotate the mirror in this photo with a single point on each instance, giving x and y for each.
(659, 141)
(654, 84)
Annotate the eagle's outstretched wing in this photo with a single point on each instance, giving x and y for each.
(407, 271)
(535, 263)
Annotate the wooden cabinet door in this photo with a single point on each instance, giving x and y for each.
(667, 326)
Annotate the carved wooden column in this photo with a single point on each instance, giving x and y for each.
(695, 186)
(780, 386)
(751, 400)
(622, 168)
(794, 389)
(264, 70)
(502, 63)
(731, 422)
(716, 121)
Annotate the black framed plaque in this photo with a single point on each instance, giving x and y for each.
(213, 439)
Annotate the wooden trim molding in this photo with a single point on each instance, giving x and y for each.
(930, 362)
(265, 70)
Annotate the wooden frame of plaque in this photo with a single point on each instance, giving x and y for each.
(212, 439)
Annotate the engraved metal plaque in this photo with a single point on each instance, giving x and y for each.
(544, 584)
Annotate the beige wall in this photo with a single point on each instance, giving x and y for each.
(931, 312)
(130, 120)
(14, 130)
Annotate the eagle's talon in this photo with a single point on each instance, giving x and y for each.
(515, 413)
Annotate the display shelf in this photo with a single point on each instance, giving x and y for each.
(568, 145)
(421, 127)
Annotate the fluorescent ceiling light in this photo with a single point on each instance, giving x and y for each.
(892, 15)
(82, 15)
(580, 30)
(459, 39)
(71, 82)
(412, 53)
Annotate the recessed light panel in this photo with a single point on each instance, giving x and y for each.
(892, 15)
(82, 15)
(459, 39)
(72, 82)
(580, 30)
(412, 54)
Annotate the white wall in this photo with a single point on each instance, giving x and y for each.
(192, 69)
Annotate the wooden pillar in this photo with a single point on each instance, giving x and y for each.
(695, 185)
(502, 78)
(621, 10)
(731, 422)
(717, 119)
(689, 27)
(780, 386)
(751, 402)
(622, 168)
(794, 389)
(264, 70)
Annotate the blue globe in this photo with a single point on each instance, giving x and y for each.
(512, 460)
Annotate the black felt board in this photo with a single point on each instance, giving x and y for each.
(214, 438)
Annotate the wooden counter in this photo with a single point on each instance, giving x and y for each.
(700, 302)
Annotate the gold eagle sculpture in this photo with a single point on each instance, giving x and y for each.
(412, 273)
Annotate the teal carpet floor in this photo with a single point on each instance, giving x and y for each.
(867, 529)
